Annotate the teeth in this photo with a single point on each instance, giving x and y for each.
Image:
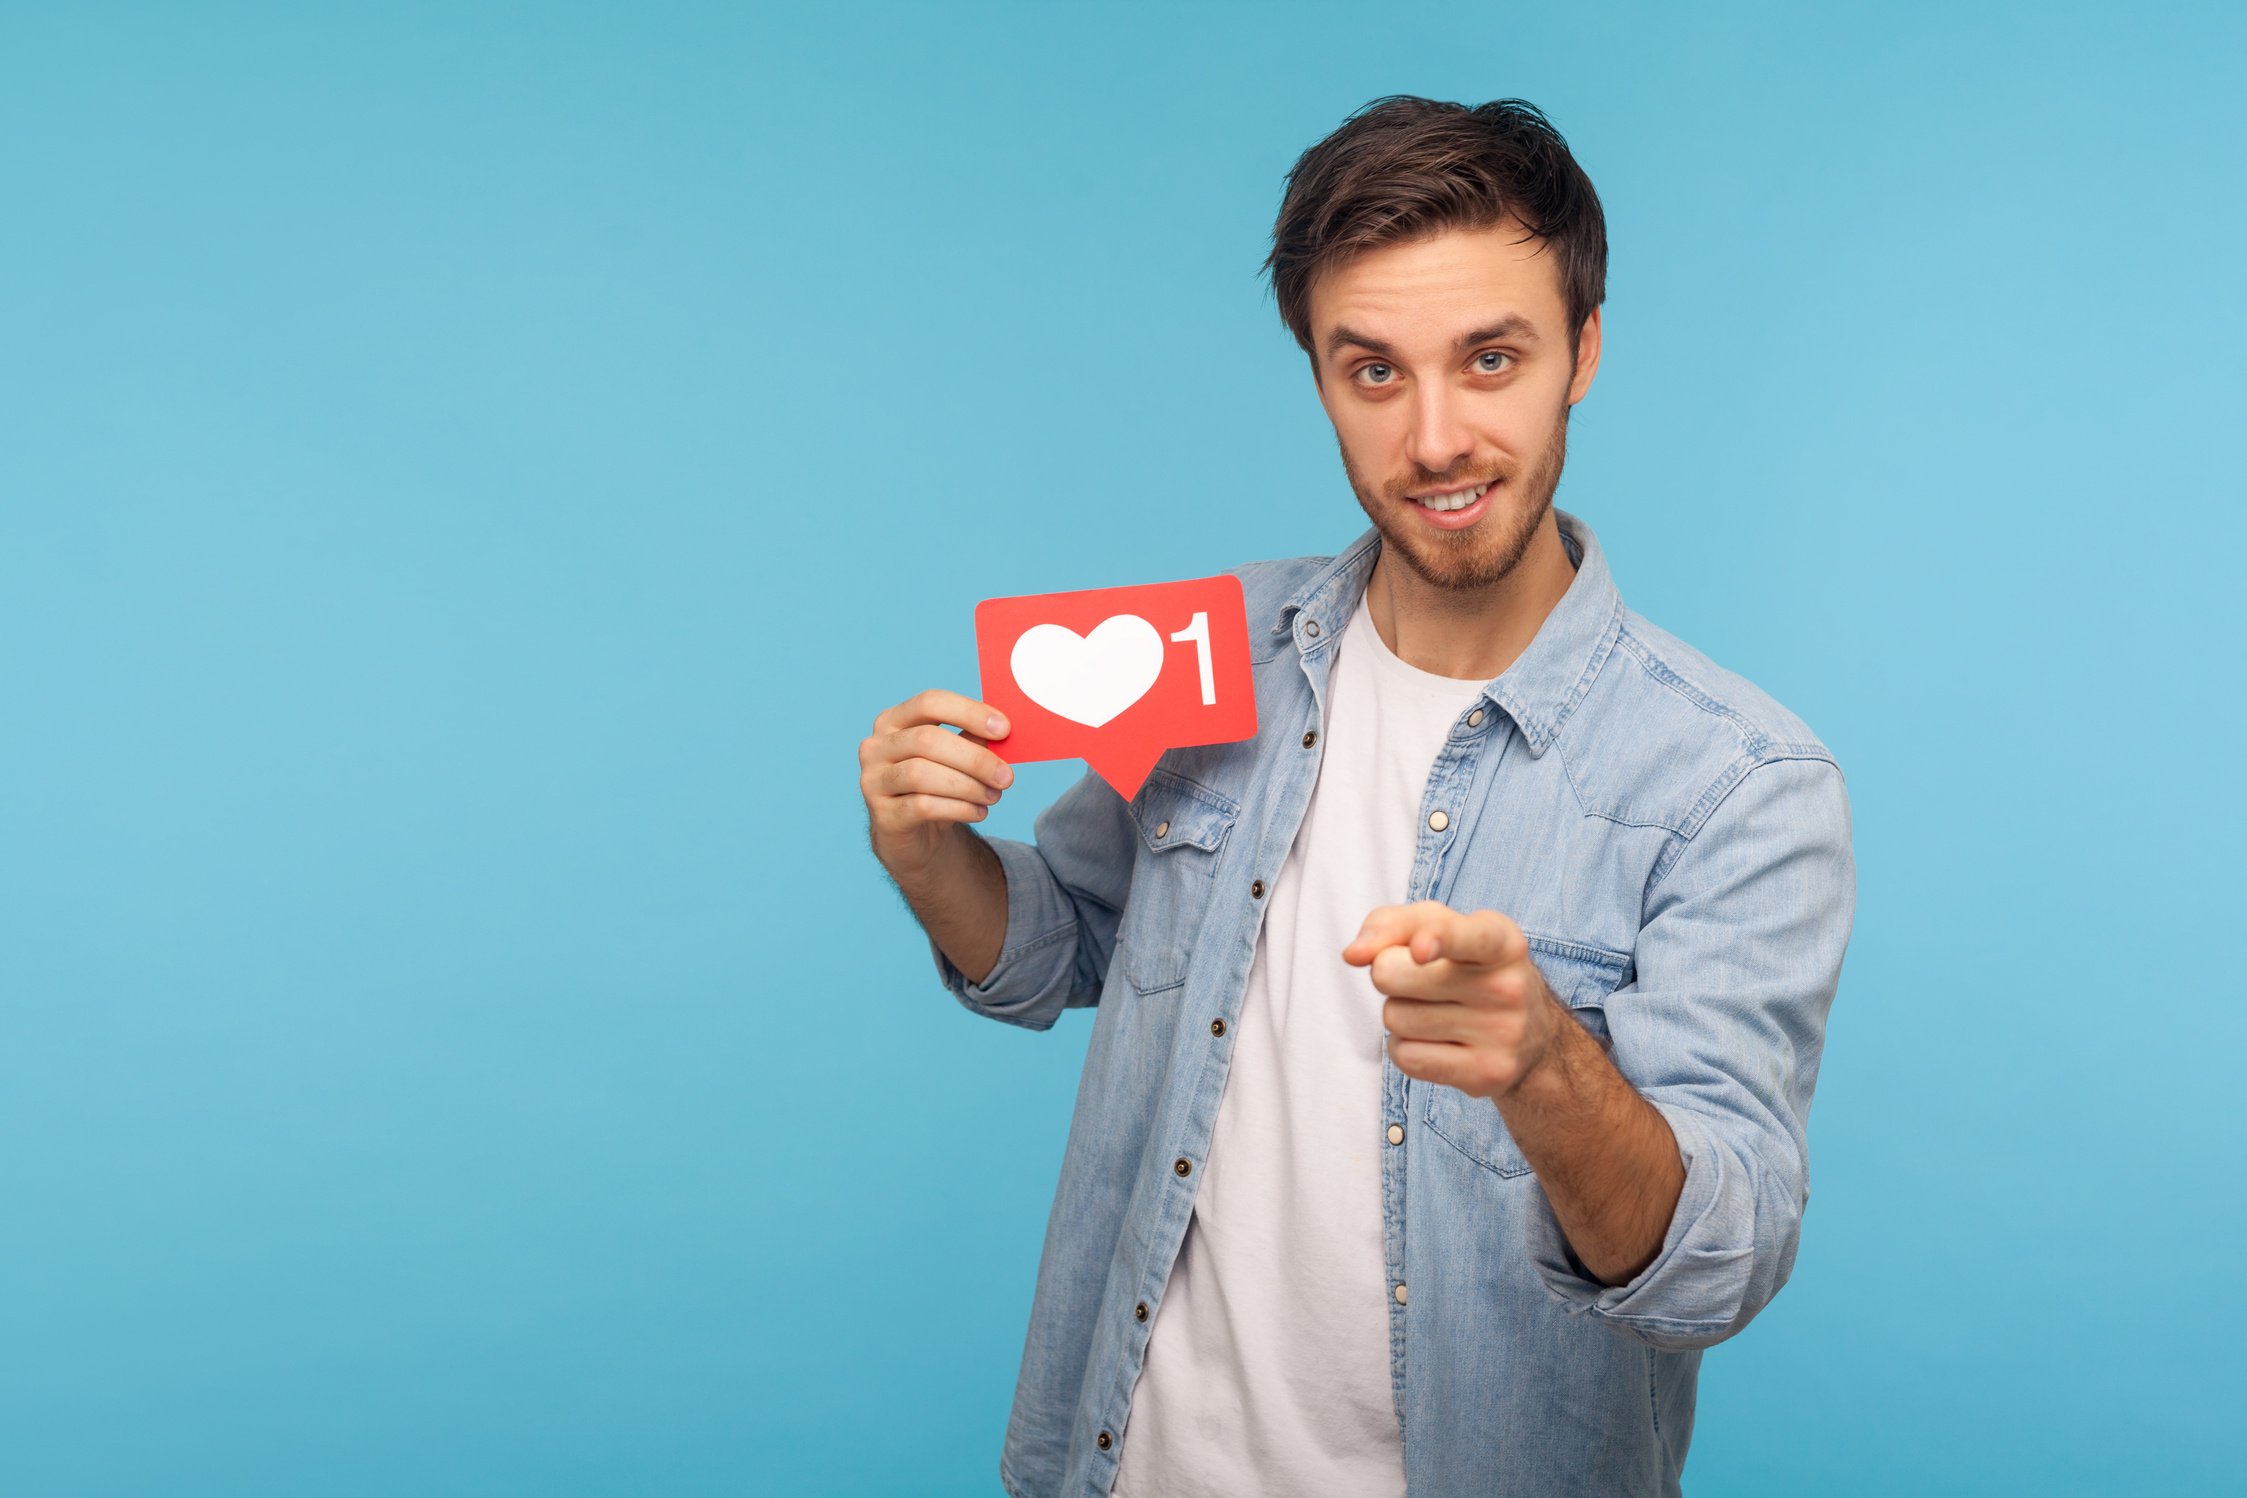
(1457, 500)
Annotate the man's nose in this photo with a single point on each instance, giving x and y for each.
(1439, 439)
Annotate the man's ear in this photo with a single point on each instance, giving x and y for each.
(1587, 358)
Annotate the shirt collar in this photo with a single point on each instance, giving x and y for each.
(1542, 686)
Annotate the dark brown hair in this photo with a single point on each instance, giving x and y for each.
(1404, 167)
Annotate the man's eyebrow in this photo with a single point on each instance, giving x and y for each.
(1514, 325)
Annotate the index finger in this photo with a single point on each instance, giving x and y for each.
(1396, 926)
(1432, 929)
(951, 709)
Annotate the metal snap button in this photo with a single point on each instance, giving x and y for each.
(1474, 719)
(1400, 1295)
(1140, 1310)
(1106, 1440)
(1312, 629)
(1256, 890)
(1161, 828)
(1438, 820)
(1396, 1133)
(1216, 1027)
(1310, 738)
(1182, 1165)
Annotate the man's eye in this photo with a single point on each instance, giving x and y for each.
(1491, 354)
(1368, 369)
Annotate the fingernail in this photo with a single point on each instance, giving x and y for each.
(997, 726)
(1006, 776)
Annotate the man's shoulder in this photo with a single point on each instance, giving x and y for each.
(1276, 578)
(1730, 706)
(1664, 732)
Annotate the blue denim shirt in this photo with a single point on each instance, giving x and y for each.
(1677, 846)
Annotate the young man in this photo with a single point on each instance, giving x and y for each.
(1455, 1037)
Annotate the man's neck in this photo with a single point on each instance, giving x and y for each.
(1476, 634)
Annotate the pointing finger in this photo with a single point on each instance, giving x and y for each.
(1389, 926)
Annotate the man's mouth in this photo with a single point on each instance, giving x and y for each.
(1446, 501)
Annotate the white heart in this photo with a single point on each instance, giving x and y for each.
(1088, 679)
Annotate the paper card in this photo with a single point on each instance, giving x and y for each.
(1118, 675)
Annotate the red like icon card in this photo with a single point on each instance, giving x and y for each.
(1118, 675)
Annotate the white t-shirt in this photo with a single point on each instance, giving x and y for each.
(1267, 1366)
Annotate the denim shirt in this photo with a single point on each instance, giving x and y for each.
(1675, 844)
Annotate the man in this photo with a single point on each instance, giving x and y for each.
(1455, 1037)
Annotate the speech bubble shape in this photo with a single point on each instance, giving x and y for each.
(1117, 675)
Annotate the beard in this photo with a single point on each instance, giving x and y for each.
(1488, 550)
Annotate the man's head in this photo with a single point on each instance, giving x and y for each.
(1442, 267)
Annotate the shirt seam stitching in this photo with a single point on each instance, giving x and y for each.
(1713, 799)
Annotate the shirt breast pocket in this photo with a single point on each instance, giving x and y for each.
(1581, 977)
(1182, 827)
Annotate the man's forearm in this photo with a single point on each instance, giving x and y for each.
(1607, 1159)
(960, 900)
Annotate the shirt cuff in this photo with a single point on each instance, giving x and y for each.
(1690, 1295)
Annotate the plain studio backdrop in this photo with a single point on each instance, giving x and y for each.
(469, 476)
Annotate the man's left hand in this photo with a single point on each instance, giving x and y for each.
(1466, 1006)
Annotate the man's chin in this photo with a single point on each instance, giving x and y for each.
(1452, 560)
(1468, 559)
(1459, 573)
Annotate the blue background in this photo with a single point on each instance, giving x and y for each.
(470, 478)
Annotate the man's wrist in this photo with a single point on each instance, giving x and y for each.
(960, 899)
(1554, 1032)
(920, 879)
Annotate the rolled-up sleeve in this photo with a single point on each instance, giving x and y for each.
(1065, 894)
(1721, 1029)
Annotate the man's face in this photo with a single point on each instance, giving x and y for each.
(1444, 364)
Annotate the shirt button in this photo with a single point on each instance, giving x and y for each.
(1216, 1027)
(1396, 1133)
(1256, 890)
(1161, 828)
(1400, 1295)
(1140, 1310)
(1312, 629)
(1106, 1440)
(1474, 719)
(1310, 738)
(1438, 820)
(1182, 1165)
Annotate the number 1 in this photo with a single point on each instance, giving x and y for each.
(1198, 633)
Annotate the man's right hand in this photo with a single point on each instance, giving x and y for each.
(919, 778)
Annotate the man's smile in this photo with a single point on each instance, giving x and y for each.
(1454, 508)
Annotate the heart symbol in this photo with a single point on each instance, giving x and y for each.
(1088, 679)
